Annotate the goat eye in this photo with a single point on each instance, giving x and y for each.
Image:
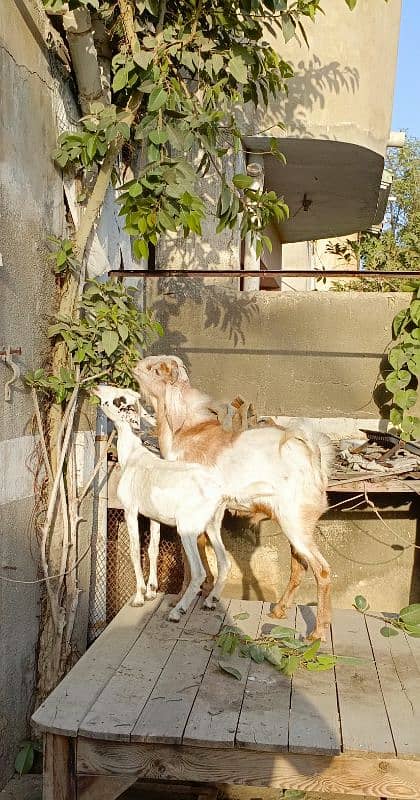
(119, 401)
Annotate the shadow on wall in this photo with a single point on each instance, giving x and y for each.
(306, 91)
(225, 309)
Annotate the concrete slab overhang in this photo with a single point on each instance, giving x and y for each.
(332, 188)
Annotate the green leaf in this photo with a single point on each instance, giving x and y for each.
(242, 615)
(311, 650)
(110, 341)
(400, 322)
(405, 398)
(257, 653)
(415, 311)
(413, 364)
(123, 331)
(291, 663)
(120, 79)
(294, 794)
(412, 630)
(230, 670)
(397, 380)
(140, 249)
(397, 358)
(288, 27)
(361, 603)
(143, 58)
(158, 137)
(217, 62)
(25, 759)
(281, 632)
(157, 99)
(351, 4)
(242, 181)
(395, 416)
(411, 614)
(238, 69)
(388, 631)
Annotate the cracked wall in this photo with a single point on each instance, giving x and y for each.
(31, 207)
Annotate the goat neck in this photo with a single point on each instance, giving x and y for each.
(127, 442)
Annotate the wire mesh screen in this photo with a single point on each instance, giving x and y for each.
(114, 574)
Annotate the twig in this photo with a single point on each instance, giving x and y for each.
(52, 503)
(96, 470)
(41, 434)
(385, 524)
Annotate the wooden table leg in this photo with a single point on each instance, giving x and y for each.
(59, 780)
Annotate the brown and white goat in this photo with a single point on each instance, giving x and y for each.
(290, 465)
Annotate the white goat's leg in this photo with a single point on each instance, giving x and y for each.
(131, 518)
(222, 558)
(197, 575)
(153, 552)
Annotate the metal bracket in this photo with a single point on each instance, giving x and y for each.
(7, 355)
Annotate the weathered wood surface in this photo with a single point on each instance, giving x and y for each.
(215, 713)
(400, 684)
(59, 780)
(314, 725)
(165, 714)
(387, 485)
(264, 718)
(364, 721)
(399, 779)
(117, 709)
(152, 682)
(67, 705)
(102, 787)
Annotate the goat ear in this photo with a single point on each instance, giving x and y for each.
(175, 407)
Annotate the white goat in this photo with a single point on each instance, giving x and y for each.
(188, 496)
(290, 465)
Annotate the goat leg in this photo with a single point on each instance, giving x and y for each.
(208, 582)
(197, 573)
(298, 565)
(153, 552)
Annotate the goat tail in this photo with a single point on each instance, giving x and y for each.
(318, 445)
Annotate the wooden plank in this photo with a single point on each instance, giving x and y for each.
(59, 778)
(347, 775)
(400, 683)
(165, 714)
(117, 708)
(66, 706)
(391, 485)
(314, 725)
(215, 713)
(102, 787)
(364, 721)
(264, 718)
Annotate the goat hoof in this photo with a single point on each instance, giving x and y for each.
(210, 603)
(137, 601)
(176, 614)
(278, 611)
(151, 592)
(318, 633)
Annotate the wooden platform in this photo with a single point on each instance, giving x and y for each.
(149, 701)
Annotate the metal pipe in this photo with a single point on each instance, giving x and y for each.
(238, 273)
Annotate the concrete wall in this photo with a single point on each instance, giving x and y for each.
(340, 90)
(31, 206)
(292, 353)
